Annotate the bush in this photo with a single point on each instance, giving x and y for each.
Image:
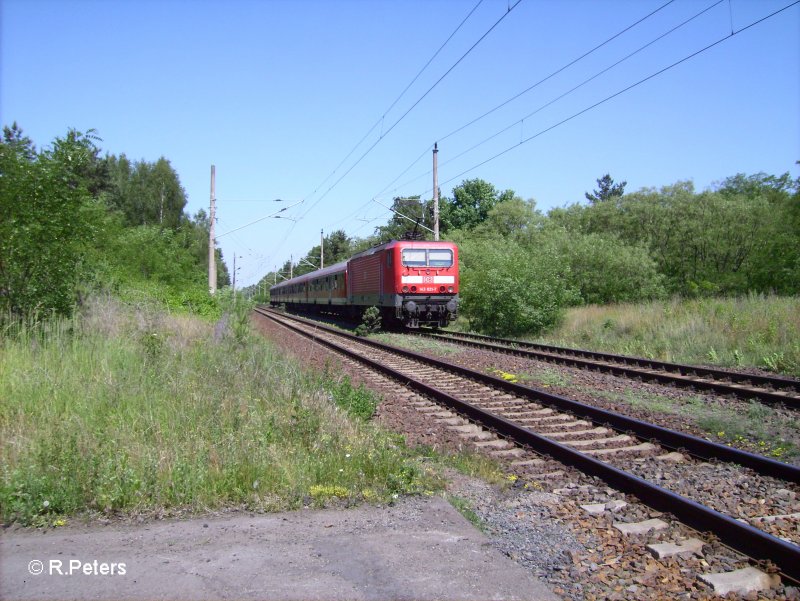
(371, 322)
(604, 269)
(508, 290)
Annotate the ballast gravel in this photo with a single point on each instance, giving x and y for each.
(541, 525)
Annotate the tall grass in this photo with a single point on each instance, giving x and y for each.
(119, 410)
(755, 330)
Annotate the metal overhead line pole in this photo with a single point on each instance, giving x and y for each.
(435, 191)
(212, 256)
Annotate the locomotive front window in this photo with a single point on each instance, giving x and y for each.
(414, 257)
(440, 257)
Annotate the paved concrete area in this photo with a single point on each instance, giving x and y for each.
(419, 549)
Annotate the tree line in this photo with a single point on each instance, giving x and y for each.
(520, 267)
(73, 221)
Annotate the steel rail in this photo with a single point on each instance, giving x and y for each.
(742, 537)
(675, 373)
(699, 447)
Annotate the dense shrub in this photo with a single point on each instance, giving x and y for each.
(606, 270)
(506, 290)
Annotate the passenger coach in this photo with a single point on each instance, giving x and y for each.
(412, 282)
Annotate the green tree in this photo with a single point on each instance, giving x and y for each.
(738, 238)
(607, 190)
(48, 221)
(193, 232)
(774, 263)
(410, 217)
(603, 269)
(145, 193)
(16, 141)
(338, 247)
(513, 218)
(472, 200)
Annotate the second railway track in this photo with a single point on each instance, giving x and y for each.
(767, 389)
(757, 514)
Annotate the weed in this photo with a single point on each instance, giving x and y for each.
(549, 378)
(91, 422)
(370, 322)
(464, 508)
(359, 402)
(506, 376)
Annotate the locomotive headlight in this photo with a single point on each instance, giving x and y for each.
(405, 288)
(450, 288)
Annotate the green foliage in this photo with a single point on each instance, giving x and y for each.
(745, 236)
(514, 218)
(607, 190)
(359, 402)
(603, 269)
(337, 246)
(370, 322)
(48, 222)
(471, 203)
(71, 222)
(506, 290)
(145, 193)
(407, 213)
(173, 418)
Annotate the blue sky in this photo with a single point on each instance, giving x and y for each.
(277, 93)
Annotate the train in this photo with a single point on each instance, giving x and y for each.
(412, 282)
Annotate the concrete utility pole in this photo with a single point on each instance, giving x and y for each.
(212, 256)
(321, 249)
(435, 191)
(291, 266)
(234, 276)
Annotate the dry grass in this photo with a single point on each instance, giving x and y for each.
(126, 410)
(750, 331)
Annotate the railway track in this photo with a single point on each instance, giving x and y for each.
(754, 509)
(768, 389)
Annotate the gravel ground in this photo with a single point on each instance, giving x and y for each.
(670, 407)
(541, 525)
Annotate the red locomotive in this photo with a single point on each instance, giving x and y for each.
(411, 282)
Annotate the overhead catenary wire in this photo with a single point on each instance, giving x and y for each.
(523, 92)
(412, 107)
(575, 88)
(396, 100)
(385, 113)
(525, 140)
(275, 214)
(416, 221)
(252, 200)
(623, 91)
(520, 121)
